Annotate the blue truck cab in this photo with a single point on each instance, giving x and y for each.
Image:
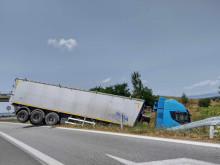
(170, 113)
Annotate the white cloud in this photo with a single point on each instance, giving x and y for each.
(204, 83)
(218, 77)
(68, 44)
(106, 80)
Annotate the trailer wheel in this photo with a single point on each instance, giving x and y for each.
(51, 118)
(36, 117)
(22, 116)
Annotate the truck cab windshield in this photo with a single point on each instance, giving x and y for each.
(180, 117)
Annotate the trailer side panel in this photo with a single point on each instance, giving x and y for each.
(77, 102)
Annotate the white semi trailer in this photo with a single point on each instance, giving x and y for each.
(41, 102)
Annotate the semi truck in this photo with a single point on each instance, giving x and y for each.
(170, 113)
(40, 102)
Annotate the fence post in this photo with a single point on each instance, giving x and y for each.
(84, 121)
(211, 131)
(122, 121)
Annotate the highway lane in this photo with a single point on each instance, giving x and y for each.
(10, 154)
(77, 147)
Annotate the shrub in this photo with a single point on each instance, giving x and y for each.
(210, 111)
(117, 89)
(184, 99)
(204, 102)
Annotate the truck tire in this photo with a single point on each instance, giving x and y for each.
(51, 118)
(23, 116)
(36, 117)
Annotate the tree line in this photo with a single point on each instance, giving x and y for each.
(202, 102)
(139, 90)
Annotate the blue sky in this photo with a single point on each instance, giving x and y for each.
(174, 44)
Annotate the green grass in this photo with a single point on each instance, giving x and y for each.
(197, 134)
(203, 113)
(4, 116)
(12, 121)
(211, 111)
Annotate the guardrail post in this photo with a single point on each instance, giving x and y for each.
(122, 121)
(211, 131)
(84, 121)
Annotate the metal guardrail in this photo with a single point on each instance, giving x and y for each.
(206, 122)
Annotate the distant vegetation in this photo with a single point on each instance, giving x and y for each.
(216, 99)
(184, 99)
(210, 111)
(204, 102)
(139, 90)
(117, 89)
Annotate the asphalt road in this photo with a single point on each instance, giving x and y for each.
(78, 147)
(10, 154)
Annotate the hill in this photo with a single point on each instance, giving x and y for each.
(208, 95)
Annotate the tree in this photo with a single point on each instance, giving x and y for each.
(140, 91)
(117, 89)
(121, 89)
(98, 89)
(204, 102)
(184, 99)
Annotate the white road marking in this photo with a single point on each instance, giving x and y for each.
(215, 145)
(179, 161)
(124, 161)
(35, 153)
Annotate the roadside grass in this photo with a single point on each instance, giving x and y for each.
(210, 111)
(12, 121)
(8, 118)
(196, 134)
(1, 117)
